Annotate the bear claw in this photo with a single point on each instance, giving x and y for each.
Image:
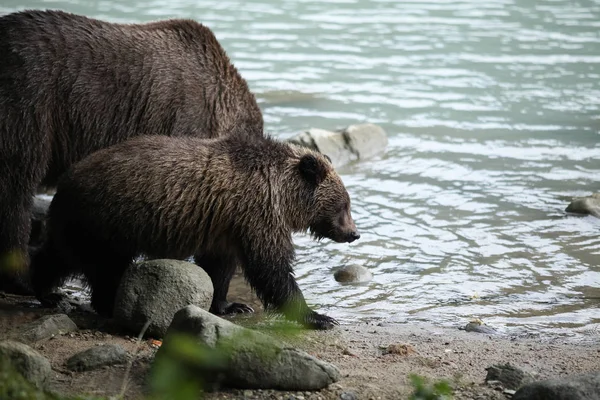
(224, 308)
(238, 308)
(319, 321)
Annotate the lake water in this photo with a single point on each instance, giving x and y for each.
(493, 113)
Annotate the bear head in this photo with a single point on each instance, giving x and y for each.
(329, 202)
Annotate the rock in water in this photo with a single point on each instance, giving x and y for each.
(586, 205)
(32, 365)
(97, 357)
(155, 290)
(44, 328)
(367, 140)
(575, 387)
(356, 142)
(252, 360)
(353, 274)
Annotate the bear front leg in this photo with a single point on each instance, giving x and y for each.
(221, 270)
(15, 223)
(270, 274)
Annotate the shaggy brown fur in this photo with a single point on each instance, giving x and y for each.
(226, 201)
(71, 85)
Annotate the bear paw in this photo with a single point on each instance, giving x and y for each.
(318, 321)
(231, 308)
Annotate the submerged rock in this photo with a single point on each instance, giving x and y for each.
(97, 357)
(575, 387)
(353, 274)
(155, 290)
(44, 328)
(356, 142)
(586, 205)
(32, 365)
(252, 360)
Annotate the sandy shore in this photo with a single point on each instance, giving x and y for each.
(357, 350)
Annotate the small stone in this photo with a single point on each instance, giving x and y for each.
(586, 205)
(480, 328)
(44, 328)
(348, 396)
(97, 357)
(247, 393)
(32, 365)
(508, 376)
(353, 274)
(155, 290)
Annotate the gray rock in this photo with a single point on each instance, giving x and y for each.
(508, 375)
(586, 205)
(332, 144)
(575, 387)
(44, 328)
(367, 140)
(348, 396)
(343, 147)
(155, 290)
(40, 207)
(479, 328)
(97, 357)
(353, 274)
(253, 360)
(38, 220)
(32, 365)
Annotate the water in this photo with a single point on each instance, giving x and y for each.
(492, 108)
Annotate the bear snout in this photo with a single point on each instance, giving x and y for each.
(352, 236)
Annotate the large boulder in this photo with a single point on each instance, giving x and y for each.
(44, 328)
(32, 365)
(586, 205)
(155, 290)
(252, 360)
(356, 142)
(575, 387)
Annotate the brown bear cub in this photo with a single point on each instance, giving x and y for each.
(71, 85)
(229, 201)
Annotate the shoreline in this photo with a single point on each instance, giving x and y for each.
(358, 350)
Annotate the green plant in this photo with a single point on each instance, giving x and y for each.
(424, 390)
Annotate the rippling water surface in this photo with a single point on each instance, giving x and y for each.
(492, 108)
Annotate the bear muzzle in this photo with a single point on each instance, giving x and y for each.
(352, 236)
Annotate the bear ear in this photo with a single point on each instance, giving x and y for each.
(312, 169)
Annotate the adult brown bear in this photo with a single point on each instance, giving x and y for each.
(229, 201)
(71, 85)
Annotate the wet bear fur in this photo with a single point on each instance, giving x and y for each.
(227, 202)
(71, 85)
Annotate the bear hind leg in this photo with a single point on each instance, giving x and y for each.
(48, 272)
(103, 275)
